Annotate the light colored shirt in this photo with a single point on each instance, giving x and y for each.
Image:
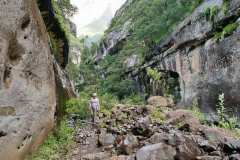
(94, 104)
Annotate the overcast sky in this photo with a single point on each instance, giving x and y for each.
(90, 10)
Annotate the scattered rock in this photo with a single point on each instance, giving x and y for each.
(231, 146)
(209, 158)
(142, 126)
(129, 144)
(187, 149)
(106, 139)
(122, 157)
(160, 101)
(208, 146)
(185, 120)
(158, 151)
(234, 157)
(96, 156)
(215, 134)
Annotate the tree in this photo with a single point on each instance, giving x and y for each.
(67, 8)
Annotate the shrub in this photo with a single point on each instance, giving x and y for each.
(196, 111)
(57, 145)
(226, 31)
(135, 99)
(157, 115)
(225, 122)
(211, 12)
(80, 107)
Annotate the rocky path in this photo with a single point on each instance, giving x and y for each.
(149, 132)
(86, 139)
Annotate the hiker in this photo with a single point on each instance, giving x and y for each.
(94, 106)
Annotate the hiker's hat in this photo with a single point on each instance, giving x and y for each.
(94, 94)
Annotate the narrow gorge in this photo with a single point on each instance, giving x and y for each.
(166, 72)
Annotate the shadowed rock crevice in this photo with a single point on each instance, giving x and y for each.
(25, 22)
(15, 51)
(2, 134)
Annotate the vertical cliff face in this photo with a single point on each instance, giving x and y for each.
(197, 61)
(27, 79)
(204, 52)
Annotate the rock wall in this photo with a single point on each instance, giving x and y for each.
(27, 79)
(206, 64)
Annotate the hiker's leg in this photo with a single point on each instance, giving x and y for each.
(93, 116)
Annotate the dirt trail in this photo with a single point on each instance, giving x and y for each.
(86, 142)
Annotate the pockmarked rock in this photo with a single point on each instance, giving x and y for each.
(158, 151)
(160, 101)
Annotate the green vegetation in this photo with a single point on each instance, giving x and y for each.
(157, 115)
(226, 4)
(225, 121)
(194, 109)
(67, 8)
(211, 12)
(57, 145)
(151, 21)
(228, 123)
(226, 31)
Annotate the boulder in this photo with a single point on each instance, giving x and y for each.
(27, 80)
(129, 144)
(158, 138)
(132, 61)
(123, 157)
(231, 146)
(159, 151)
(185, 120)
(209, 158)
(216, 135)
(96, 156)
(187, 148)
(106, 139)
(234, 157)
(142, 126)
(160, 101)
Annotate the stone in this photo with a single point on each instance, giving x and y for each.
(184, 119)
(106, 139)
(216, 153)
(158, 138)
(160, 101)
(142, 126)
(216, 135)
(209, 158)
(27, 79)
(123, 157)
(132, 61)
(231, 146)
(234, 157)
(159, 151)
(33, 87)
(129, 144)
(208, 146)
(96, 156)
(186, 148)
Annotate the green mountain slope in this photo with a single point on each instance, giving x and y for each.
(150, 22)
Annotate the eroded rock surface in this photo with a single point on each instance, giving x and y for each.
(207, 65)
(27, 79)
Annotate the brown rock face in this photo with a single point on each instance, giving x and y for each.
(160, 101)
(206, 66)
(27, 83)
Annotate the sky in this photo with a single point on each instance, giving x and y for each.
(91, 10)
